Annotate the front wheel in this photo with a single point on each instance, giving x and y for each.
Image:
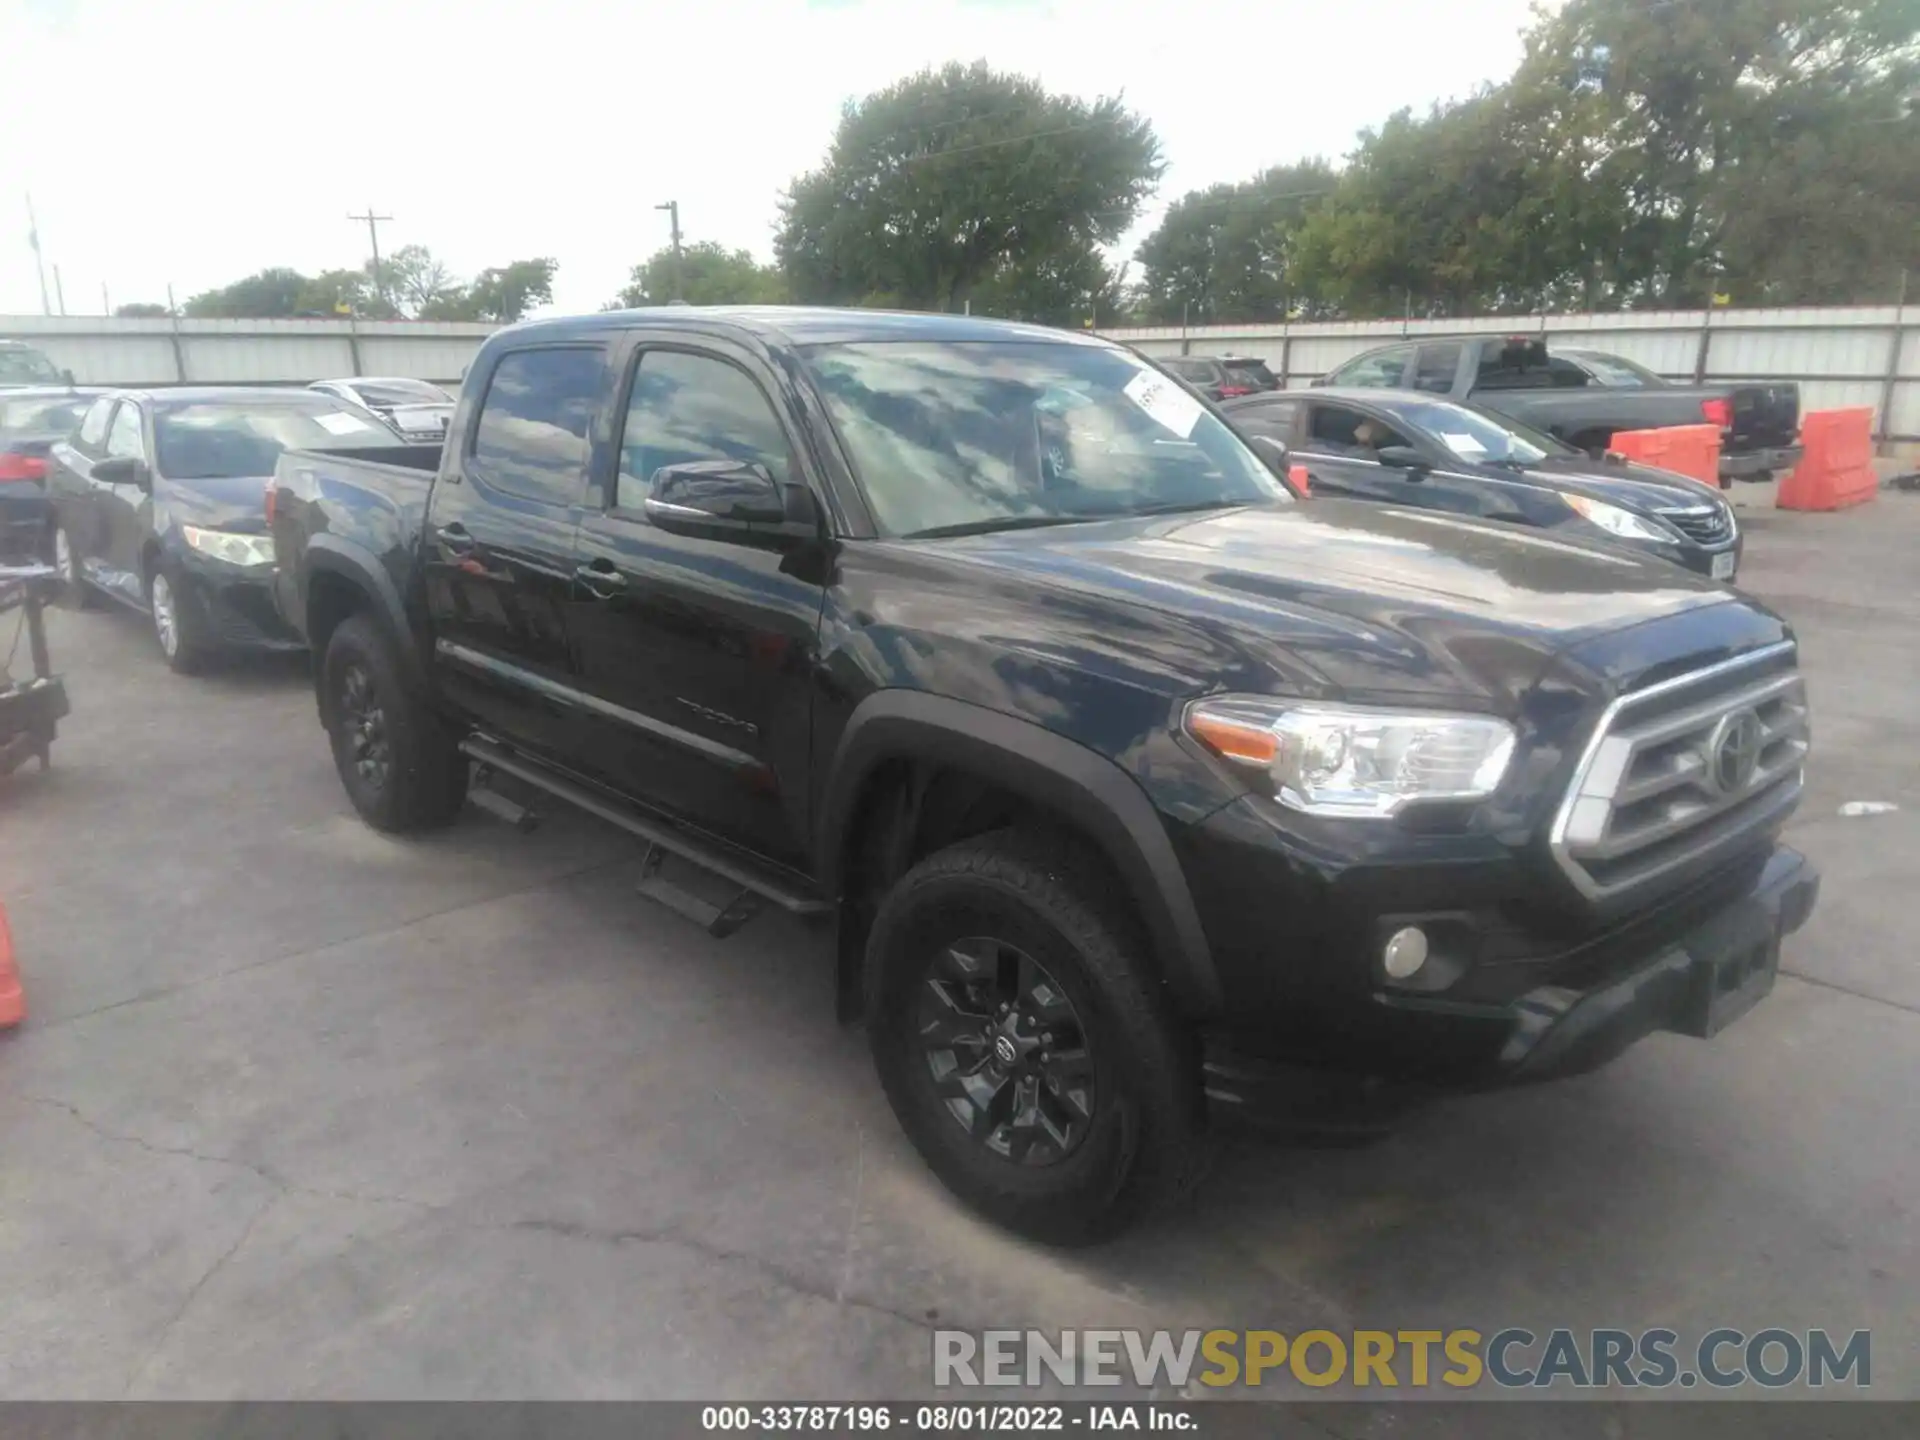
(401, 766)
(179, 624)
(1024, 1044)
(74, 592)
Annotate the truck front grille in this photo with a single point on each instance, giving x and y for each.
(1684, 769)
(1702, 524)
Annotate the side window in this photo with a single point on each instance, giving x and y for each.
(1271, 422)
(123, 440)
(1336, 430)
(694, 407)
(531, 438)
(1385, 369)
(93, 429)
(1435, 368)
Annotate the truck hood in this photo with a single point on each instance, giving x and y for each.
(1363, 602)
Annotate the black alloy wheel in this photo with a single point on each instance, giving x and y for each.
(1007, 1051)
(364, 722)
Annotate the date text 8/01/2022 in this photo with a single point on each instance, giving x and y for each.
(942, 1419)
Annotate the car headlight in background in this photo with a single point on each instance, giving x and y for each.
(227, 546)
(1349, 760)
(1615, 521)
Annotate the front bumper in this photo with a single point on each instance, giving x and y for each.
(237, 606)
(1756, 464)
(1593, 1002)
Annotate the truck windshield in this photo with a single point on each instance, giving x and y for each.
(1476, 435)
(952, 437)
(227, 439)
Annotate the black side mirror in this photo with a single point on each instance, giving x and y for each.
(729, 499)
(123, 470)
(1403, 457)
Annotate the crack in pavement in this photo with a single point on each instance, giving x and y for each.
(314, 950)
(1807, 979)
(281, 1183)
(166, 1331)
(670, 1235)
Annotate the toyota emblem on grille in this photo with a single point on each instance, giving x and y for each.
(1004, 1050)
(1733, 751)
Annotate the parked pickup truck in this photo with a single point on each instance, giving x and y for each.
(1139, 795)
(1584, 397)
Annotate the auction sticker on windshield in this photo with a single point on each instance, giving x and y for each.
(1169, 406)
(341, 423)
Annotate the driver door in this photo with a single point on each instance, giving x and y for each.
(698, 653)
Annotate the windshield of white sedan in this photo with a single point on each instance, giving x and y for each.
(955, 437)
(225, 441)
(1475, 435)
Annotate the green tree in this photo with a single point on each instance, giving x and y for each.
(704, 274)
(142, 310)
(935, 185)
(1225, 253)
(336, 292)
(414, 280)
(505, 293)
(270, 294)
(1072, 287)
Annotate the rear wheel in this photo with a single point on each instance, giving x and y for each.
(400, 764)
(1025, 1046)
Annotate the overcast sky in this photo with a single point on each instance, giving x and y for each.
(197, 141)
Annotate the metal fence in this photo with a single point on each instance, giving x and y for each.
(103, 351)
(1839, 356)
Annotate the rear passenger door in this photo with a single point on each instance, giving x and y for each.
(697, 652)
(497, 553)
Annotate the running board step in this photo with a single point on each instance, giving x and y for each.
(718, 920)
(501, 807)
(752, 882)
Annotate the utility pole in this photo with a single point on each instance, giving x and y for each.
(33, 239)
(106, 303)
(373, 239)
(672, 207)
(59, 293)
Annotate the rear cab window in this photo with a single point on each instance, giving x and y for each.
(1435, 368)
(531, 436)
(1382, 370)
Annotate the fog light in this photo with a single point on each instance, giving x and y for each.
(1406, 952)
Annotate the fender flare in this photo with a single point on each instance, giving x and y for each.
(333, 555)
(1099, 797)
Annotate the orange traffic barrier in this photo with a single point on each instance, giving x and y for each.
(1836, 468)
(1690, 450)
(13, 1000)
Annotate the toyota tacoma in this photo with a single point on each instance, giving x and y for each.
(1138, 794)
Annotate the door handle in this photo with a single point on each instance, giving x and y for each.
(600, 578)
(454, 539)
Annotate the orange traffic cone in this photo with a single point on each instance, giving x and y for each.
(13, 1000)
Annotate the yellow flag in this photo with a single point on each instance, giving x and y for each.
(1720, 297)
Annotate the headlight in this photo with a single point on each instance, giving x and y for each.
(1615, 521)
(234, 549)
(1346, 760)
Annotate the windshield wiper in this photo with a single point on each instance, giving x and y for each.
(1178, 507)
(1003, 522)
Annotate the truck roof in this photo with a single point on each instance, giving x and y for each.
(806, 325)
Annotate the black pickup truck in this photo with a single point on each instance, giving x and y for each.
(1139, 794)
(1585, 397)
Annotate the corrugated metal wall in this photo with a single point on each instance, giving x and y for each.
(1839, 355)
(103, 351)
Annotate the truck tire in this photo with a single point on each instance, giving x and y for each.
(399, 762)
(1024, 1044)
